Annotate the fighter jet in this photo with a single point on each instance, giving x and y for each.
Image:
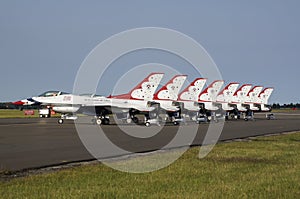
(70, 105)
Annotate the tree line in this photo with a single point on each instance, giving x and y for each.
(291, 105)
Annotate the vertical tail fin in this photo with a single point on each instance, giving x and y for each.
(171, 89)
(253, 94)
(241, 94)
(211, 92)
(227, 93)
(192, 92)
(265, 95)
(144, 90)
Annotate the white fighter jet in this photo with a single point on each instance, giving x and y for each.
(225, 97)
(197, 103)
(189, 96)
(240, 97)
(165, 98)
(249, 100)
(253, 97)
(69, 105)
(30, 101)
(263, 98)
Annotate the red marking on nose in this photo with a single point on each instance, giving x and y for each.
(18, 103)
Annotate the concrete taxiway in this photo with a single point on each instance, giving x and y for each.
(39, 142)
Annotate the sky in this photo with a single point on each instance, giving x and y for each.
(43, 43)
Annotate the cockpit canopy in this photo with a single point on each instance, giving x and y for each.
(52, 93)
(91, 95)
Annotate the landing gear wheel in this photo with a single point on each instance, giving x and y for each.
(147, 124)
(129, 120)
(135, 120)
(175, 123)
(60, 121)
(98, 121)
(160, 119)
(41, 116)
(105, 121)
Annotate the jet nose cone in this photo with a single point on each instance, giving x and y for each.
(18, 103)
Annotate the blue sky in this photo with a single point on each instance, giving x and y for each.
(42, 44)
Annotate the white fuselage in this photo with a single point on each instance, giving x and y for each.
(72, 103)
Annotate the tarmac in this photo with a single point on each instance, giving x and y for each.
(42, 142)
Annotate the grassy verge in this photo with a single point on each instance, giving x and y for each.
(14, 113)
(266, 167)
(285, 110)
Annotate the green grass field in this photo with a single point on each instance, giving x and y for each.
(14, 113)
(267, 167)
(285, 110)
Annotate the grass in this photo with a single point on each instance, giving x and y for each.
(267, 167)
(15, 113)
(285, 110)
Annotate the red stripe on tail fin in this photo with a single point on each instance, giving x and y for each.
(192, 92)
(211, 92)
(144, 90)
(171, 89)
(227, 93)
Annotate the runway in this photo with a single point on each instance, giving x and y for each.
(40, 142)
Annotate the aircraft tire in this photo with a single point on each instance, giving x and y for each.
(60, 121)
(98, 121)
(135, 120)
(105, 121)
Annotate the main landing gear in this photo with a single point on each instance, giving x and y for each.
(101, 120)
(66, 117)
(249, 115)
